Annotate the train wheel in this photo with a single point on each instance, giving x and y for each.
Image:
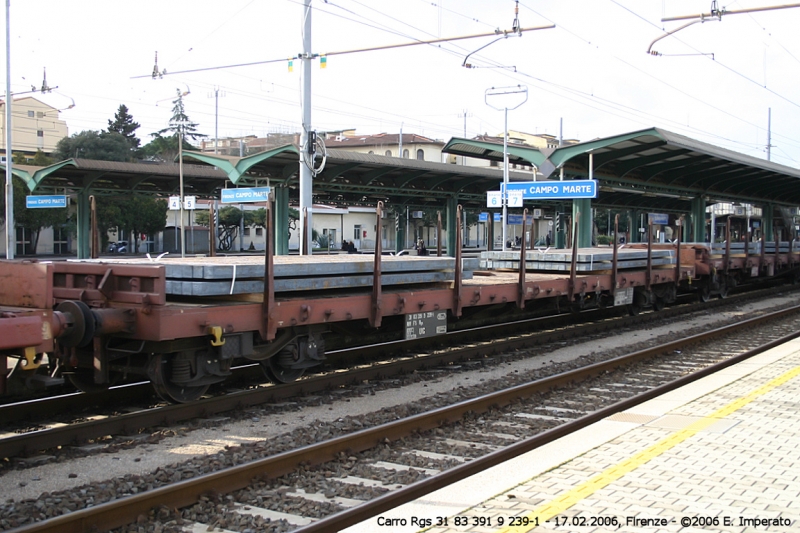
(705, 293)
(639, 301)
(278, 374)
(658, 304)
(278, 367)
(723, 291)
(162, 370)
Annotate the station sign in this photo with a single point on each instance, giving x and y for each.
(174, 203)
(245, 195)
(427, 324)
(45, 202)
(516, 220)
(484, 217)
(658, 218)
(189, 202)
(495, 198)
(555, 190)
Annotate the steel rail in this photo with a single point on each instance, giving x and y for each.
(126, 510)
(131, 423)
(393, 499)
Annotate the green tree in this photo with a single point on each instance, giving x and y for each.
(229, 218)
(163, 148)
(180, 124)
(124, 125)
(228, 221)
(90, 144)
(136, 215)
(41, 159)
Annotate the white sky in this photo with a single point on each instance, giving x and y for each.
(592, 70)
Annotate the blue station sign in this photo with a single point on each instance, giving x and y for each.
(516, 220)
(245, 195)
(555, 190)
(658, 218)
(484, 217)
(44, 202)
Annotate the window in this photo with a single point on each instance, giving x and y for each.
(421, 154)
(40, 133)
(357, 232)
(246, 232)
(388, 153)
(39, 114)
(259, 232)
(405, 153)
(30, 114)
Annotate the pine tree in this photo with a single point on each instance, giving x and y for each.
(180, 123)
(124, 125)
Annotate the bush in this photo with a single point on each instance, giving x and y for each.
(605, 239)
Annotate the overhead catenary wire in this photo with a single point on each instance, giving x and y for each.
(359, 50)
(593, 101)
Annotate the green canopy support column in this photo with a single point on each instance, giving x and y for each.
(281, 221)
(631, 224)
(585, 222)
(697, 219)
(452, 225)
(636, 225)
(84, 226)
(767, 220)
(399, 232)
(560, 227)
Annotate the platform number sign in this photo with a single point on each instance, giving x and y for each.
(426, 324)
(174, 203)
(189, 202)
(494, 199)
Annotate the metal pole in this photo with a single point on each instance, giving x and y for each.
(769, 134)
(216, 118)
(498, 91)
(505, 177)
(180, 174)
(305, 173)
(10, 236)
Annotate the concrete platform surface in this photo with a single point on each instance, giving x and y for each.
(720, 454)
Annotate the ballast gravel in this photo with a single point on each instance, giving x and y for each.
(45, 491)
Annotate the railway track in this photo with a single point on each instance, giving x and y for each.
(91, 429)
(340, 481)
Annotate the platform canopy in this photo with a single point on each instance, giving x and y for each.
(655, 168)
(353, 178)
(349, 178)
(113, 178)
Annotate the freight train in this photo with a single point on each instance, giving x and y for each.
(182, 323)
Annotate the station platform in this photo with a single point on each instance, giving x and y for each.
(720, 454)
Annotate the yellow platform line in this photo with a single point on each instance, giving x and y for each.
(566, 500)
